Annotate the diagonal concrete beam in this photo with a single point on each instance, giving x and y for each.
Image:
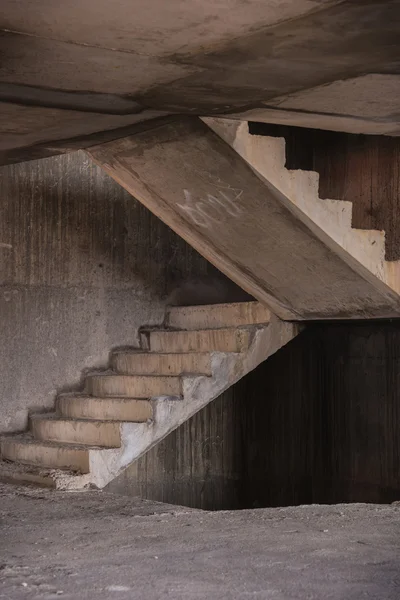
(200, 187)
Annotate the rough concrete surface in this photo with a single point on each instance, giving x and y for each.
(194, 182)
(97, 545)
(84, 68)
(82, 266)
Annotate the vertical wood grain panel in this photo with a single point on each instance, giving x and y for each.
(198, 465)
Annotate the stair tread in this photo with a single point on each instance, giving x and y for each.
(133, 386)
(12, 466)
(25, 474)
(207, 330)
(165, 364)
(253, 304)
(219, 306)
(27, 439)
(145, 375)
(121, 399)
(226, 339)
(217, 316)
(152, 354)
(56, 417)
(102, 398)
(115, 409)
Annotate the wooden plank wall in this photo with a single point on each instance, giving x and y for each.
(322, 418)
(198, 465)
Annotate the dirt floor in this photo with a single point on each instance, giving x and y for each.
(101, 546)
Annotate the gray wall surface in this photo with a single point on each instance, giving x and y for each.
(82, 266)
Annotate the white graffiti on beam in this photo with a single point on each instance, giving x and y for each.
(213, 208)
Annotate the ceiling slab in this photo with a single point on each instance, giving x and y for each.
(29, 125)
(45, 63)
(371, 96)
(150, 27)
(314, 63)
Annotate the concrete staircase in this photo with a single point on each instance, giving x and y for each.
(267, 156)
(92, 436)
(230, 196)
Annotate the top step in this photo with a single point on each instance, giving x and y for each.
(216, 316)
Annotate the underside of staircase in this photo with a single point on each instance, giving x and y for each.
(267, 156)
(230, 195)
(92, 436)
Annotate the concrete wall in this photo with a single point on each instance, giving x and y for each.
(82, 266)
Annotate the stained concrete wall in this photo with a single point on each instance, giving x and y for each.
(82, 266)
(200, 464)
(94, 65)
(327, 430)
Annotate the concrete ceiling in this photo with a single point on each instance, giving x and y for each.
(72, 71)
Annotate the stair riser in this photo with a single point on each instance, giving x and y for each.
(51, 457)
(107, 409)
(217, 316)
(93, 434)
(218, 340)
(162, 364)
(133, 386)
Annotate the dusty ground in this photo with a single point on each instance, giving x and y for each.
(100, 546)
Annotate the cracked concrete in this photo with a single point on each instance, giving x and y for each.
(97, 545)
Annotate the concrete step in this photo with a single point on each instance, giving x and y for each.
(216, 316)
(108, 409)
(76, 431)
(133, 386)
(207, 340)
(23, 474)
(19, 474)
(26, 450)
(146, 363)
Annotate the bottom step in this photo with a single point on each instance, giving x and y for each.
(20, 474)
(25, 474)
(24, 449)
